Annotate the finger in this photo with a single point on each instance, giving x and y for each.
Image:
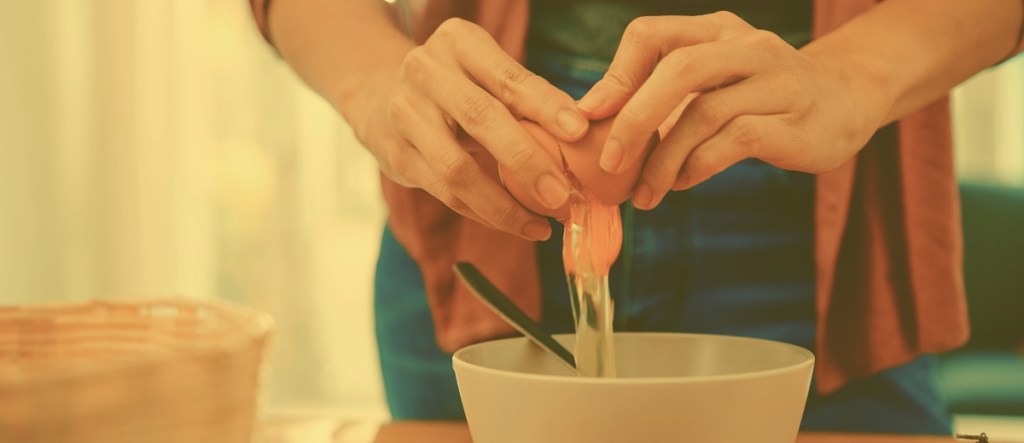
(527, 94)
(646, 41)
(744, 137)
(685, 70)
(489, 122)
(521, 91)
(440, 190)
(413, 172)
(466, 186)
(700, 120)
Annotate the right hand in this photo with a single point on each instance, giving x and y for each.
(461, 80)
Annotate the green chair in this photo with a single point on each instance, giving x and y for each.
(987, 375)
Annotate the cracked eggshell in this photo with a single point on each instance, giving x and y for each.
(582, 158)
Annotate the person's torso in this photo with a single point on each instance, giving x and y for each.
(591, 29)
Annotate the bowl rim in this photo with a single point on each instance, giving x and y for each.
(807, 360)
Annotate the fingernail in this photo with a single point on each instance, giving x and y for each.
(611, 157)
(570, 122)
(553, 192)
(642, 197)
(537, 231)
(591, 101)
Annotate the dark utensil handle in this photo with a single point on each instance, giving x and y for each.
(504, 307)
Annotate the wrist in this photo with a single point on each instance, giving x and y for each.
(358, 97)
(860, 78)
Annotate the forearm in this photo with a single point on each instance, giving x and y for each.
(342, 49)
(907, 53)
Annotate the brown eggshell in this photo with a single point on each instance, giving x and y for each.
(583, 159)
(584, 156)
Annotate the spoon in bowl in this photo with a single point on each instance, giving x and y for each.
(484, 290)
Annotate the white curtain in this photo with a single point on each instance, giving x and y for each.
(988, 125)
(159, 147)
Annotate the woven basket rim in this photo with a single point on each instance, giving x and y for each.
(253, 327)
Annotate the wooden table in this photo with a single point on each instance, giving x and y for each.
(457, 432)
(331, 428)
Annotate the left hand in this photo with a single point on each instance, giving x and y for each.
(758, 97)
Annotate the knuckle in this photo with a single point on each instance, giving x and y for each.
(619, 79)
(745, 135)
(400, 180)
(395, 161)
(767, 40)
(404, 159)
(640, 29)
(727, 18)
(458, 205)
(395, 113)
(454, 27)
(457, 33)
(401, 166)
(446, 196)
(698, 161)
(511, 80)
(729, 23)
(710, 114)
(520, 158)
(394, 174)
(398, 111)
(477, 110)
(456, 170)
(415, 60)
(506, 215)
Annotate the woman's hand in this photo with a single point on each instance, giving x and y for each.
(461, 80)
(758, 97)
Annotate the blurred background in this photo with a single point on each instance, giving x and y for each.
(161, 148)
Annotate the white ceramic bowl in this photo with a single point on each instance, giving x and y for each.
(671, 388)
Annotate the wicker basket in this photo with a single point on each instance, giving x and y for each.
(176, 370)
